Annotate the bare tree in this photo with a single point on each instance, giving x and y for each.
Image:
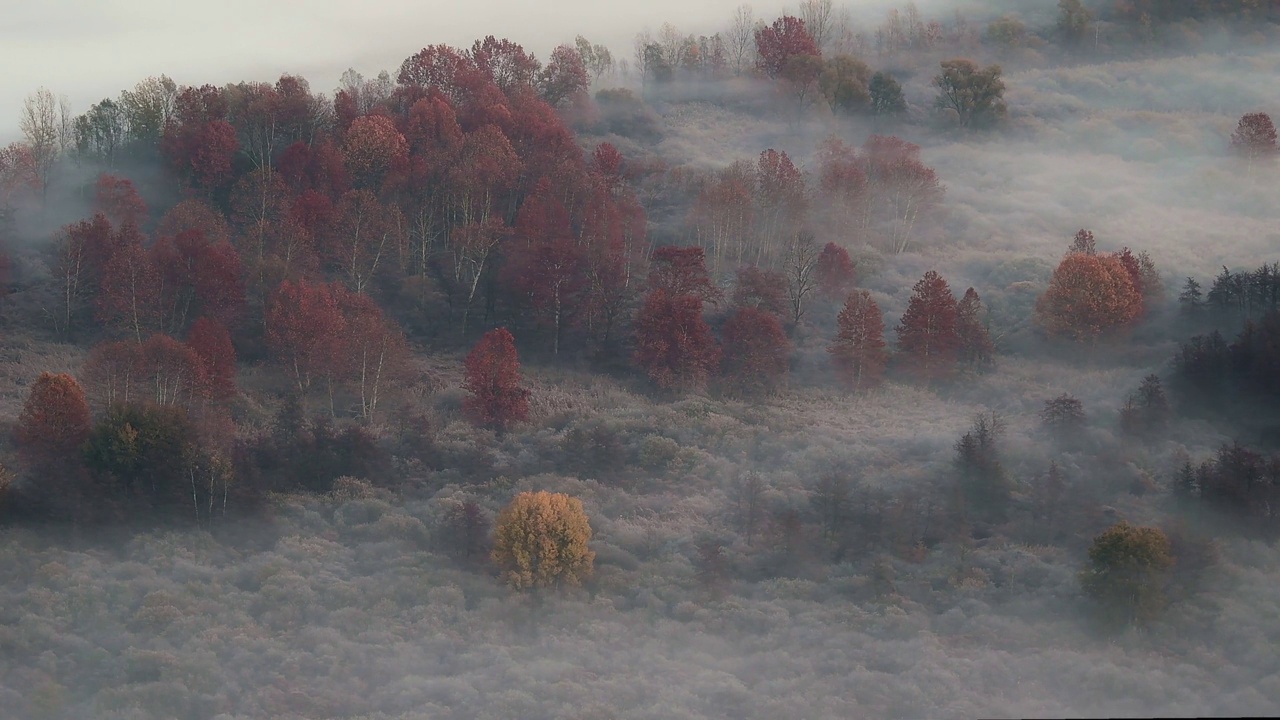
(641, 48)
(802, 259)
(818, 20)
(740, 38)
(46, 129)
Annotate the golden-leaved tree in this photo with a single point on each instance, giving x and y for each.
(541, 541)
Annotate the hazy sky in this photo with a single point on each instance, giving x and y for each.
(91, 49)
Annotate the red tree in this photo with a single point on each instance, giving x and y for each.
(859, 350)
(111, 373)
(903, 189)
(976, 348)
(723, 214)
(679, 271)
(674, 345)
(842, 186)
(211, 342)
(781, 202)
(171, 372)
(374, 149)
(304, 324)
(756, 351)
(1088, 296)
(129, 296)
(927, 335)
(117, 198)
(761, 290)
(54, 422)
(779, 43)
(835, 271)
(549, 275)
(496, 398)
(375, 354)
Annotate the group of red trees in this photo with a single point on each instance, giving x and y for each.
(677, 348)
(878, 193)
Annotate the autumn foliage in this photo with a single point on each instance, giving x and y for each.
(1089, 296)
(55, 419)
(928, 343)
(496, 398)
(756, 351)
(858, 351)
(835, 271)
(541, 541)
(673, 344)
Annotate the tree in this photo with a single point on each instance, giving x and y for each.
(375, 353)
(858, 351)
(975, 95)
(1254, 137)
(902, 188)
(1083, 243)
(844, 82)
(211, 342)
(756, 351)
(541, 541)
(673, 344)
(597, 58)
(739, 38)
(44, 125)
(779, 43)
(303, 326)
(723, 214)
(1127, 573)
(1089, 296)
(374, 149)
(1063, 416)
(564, 80)
(1074, 20)
(927, 337)
(1146, 412)
(117, 199)
(496, 398)
(101, 132)
(679, 271)
(801, 262)
(781, 204)
(835, 271)
(761, 290)
(129, 295)
(885, 95)
(54, 422)
(977, 351)
(984, 483)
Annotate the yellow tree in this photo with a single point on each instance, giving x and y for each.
(541, 541)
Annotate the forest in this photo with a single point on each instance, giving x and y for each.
(801, 366)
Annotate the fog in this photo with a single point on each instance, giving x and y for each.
(89, 49)
(355, 604)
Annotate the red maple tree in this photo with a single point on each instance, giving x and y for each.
(118, 199)
(756, 351)
(779, 43)
(496, 398)
(54, 422)
(679, 271)
(835, 271)
(1089, 296)
(761, 290)
(858, 351)
(673, 344)
(927, 337)
(211, 342)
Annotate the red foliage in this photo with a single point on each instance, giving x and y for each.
(54, 422)
(372, 353)
(778, 43)
(927, 337)
(366, 236)
(304, 324)
(506, 64)
(211, 342)
(680, 271)
(129, 295)
(374, 150)
(195, 215)
(756, 351)
(565, 78)
(116, 198)
(673, 344)
(835, 271)
(1089, 296)
(902, 187)
(197, 277)
(20, 181)
(763, 290)
(842, 186)
(111, 372)
(781, 191)
(858, 351)
(496, 399)
(441, 68)
(723, 215)
(549, 276)
(542, 216)
(170, 371)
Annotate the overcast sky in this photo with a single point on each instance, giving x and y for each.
(91, 49)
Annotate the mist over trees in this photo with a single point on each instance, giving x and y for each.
(738, 373)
